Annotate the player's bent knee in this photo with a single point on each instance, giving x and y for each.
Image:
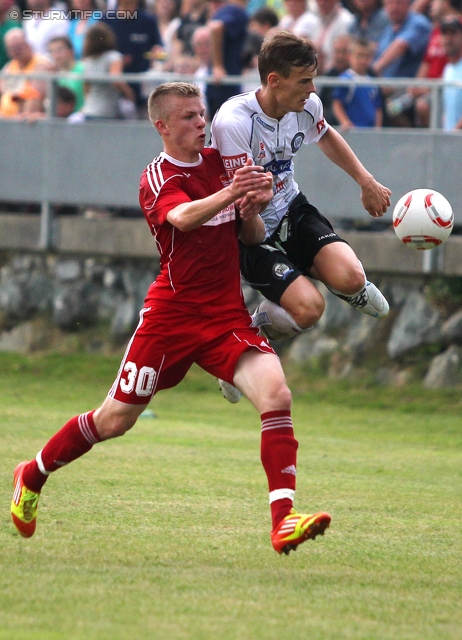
(284, 396)
(112, 424)
(308, 312)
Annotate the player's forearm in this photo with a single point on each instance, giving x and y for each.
(191, 215)
(252, 231)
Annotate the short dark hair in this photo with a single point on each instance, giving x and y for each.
(65, 40)
(66, 95)
(265, 15)
(99, 39)
(156, 98)
(283, 51)
(451, 23)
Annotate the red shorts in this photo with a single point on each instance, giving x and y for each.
(166, 344)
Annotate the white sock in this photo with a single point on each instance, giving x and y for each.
(274, 321)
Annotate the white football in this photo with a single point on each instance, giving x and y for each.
(423, 219)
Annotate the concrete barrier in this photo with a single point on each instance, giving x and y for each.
(379, 251)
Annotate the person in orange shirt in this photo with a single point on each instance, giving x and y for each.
(21, 95)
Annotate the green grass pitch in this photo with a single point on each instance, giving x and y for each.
(164, 533)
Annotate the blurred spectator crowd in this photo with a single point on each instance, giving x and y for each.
(211, 39)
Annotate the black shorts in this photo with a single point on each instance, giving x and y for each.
(289, 252)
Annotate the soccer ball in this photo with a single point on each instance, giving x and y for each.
(423, 219)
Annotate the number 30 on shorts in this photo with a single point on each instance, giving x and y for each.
(141, 381)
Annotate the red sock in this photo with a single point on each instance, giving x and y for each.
(279, 459)
(69, 443)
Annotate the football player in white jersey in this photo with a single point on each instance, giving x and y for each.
(269, 125)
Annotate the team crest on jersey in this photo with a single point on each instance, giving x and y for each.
(297, 141)
(281, 271)
(262, 153)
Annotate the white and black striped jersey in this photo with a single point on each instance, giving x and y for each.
(240, 129)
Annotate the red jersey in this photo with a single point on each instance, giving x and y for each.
(435, 55)
(199, 269)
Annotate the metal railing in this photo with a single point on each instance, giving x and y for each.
(251, 80)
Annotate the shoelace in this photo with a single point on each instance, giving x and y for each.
(360, 300)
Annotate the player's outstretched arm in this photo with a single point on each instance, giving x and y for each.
(374, 196)
(248, 180)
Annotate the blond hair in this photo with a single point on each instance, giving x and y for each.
(156, 100)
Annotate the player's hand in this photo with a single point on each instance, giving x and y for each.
(375, 197)
(252, 182)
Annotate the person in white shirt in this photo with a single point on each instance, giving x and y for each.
(40, 27)
(335, 21)
(299, 20)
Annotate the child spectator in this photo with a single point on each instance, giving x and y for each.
(360, 105)
(65, 102)
(62, 55)
(341, 62)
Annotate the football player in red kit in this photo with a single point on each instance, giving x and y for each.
(191, 205)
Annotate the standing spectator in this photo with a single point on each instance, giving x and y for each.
(6, 23)
(100, 56)
(40, 28)
(361, 105)
(434, 60)
(62, 55)
(138, 40)
(20, 95)
(202, 46)
(194, 15)
(167, 13)
(335, 21)
(370, 20)
(403, 43)
(299, 20)
(341, 63)
(451, 32)
(228, 25)
(399, 54)
(79, 24)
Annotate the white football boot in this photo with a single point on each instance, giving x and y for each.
(229, 392)
(369, 300)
